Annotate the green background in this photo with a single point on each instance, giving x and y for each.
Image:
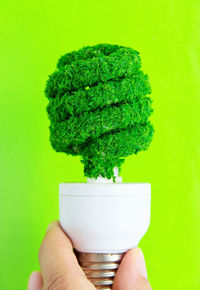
(167, 34)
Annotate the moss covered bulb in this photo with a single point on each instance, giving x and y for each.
(99, 107)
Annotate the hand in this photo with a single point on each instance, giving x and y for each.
(60, 269)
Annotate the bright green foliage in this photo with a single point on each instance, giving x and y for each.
(99, 108)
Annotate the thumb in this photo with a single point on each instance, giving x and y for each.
(132, 273)
(59, 266)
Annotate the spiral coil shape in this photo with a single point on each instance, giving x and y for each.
(99, 107)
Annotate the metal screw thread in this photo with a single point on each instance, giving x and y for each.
(100, 269)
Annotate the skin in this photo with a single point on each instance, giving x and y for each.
(60, 269)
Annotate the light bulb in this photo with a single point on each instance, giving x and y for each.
(99, 109)
(104, 219)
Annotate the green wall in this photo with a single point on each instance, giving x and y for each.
(167, 35)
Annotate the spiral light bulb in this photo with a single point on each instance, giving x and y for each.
(99, 109)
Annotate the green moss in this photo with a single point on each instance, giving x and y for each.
(99, 107)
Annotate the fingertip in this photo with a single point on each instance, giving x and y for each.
(35, 281)
(55, 236)
(132, 271)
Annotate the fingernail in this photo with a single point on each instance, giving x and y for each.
(49, 226)
(140, 264)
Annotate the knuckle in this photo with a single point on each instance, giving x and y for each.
(57, 281)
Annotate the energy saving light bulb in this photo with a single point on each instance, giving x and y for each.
(104, 220)
(99, 109)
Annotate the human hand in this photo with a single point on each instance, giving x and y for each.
(60, 269)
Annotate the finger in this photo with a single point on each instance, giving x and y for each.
(59, 266)
(132, 273)
(35, 281)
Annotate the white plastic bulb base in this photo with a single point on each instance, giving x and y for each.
(103, 221)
